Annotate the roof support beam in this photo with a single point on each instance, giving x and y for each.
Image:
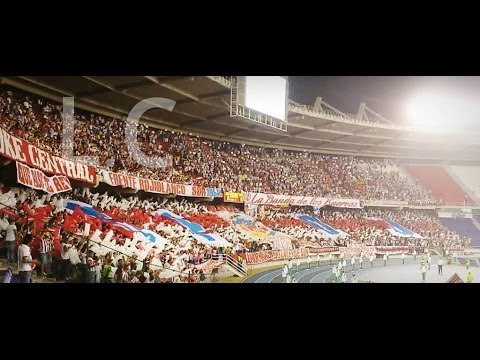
(190, 122)
(206, 97)
(301, 132)
(341, 137)
(181, 92)
(218, 116)
(122, 88)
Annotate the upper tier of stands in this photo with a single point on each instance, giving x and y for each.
(224, 165)
(441, 184)
(469, 176)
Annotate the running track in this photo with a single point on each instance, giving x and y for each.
(323, 273)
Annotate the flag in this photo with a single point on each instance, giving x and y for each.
(8, 276)
(197, 230)
(321, 227)
(396, 229)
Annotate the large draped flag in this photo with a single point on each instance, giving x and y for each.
(128, 230)
(197, 230)
(321, 227)
(399, 230)
(396, 229)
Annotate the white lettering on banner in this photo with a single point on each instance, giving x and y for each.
(273, 199)
(24, 152)
(385, 203)
(259, 257)
(155, 186)
(38, 180)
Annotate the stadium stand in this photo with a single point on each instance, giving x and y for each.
(440, 183)
(163, 239)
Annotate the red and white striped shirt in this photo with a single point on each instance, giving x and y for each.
(46, 244)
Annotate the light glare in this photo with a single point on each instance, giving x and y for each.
(442, 111)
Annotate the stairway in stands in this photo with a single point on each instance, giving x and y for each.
(436, 179)
(464, 227)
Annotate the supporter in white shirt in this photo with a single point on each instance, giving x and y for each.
(354, 279)
(289, 279)
(440, 266)
(25, 262)
(10, 241)
(284, 272)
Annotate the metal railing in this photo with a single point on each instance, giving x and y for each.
(230, 261)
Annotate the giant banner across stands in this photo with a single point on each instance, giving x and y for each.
(26, 153)
(273, 199)
(272, 255)
(156, 186)
(38, 180)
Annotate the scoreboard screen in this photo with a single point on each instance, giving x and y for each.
(266, 94)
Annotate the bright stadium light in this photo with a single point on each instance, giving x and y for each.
(437, 111)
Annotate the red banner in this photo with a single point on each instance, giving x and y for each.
(323, 250)
(208, 266)
(156, 186)
(38, 180)
(391, 249)
(26, 153)
(272, 255)
(274, 199)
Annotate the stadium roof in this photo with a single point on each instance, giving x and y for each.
(203, 108)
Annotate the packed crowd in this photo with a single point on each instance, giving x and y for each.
(180, 256)
(228, 166)
(366, 227)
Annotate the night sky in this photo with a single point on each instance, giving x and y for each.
(386, 95)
